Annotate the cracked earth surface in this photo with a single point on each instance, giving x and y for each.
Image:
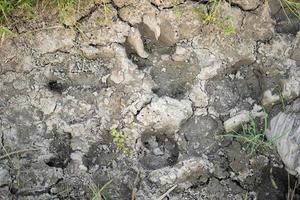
(171, 85)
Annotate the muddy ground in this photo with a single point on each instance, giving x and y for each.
(165, 83)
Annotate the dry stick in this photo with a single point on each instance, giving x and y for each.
(167, 193)
(295, 186)
(16, 152)
(135, 183)
(284, 11)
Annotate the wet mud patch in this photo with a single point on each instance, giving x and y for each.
(158, 151)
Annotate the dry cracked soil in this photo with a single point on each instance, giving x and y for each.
(136, 106)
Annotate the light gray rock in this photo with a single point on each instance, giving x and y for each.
(181, 172)
(125, 72)
(135, 40)
(165, 114)
(198, 96)
(20, 83)
(166, 99)
(278, 48)
(269, 98)
(152, 23)
(47, 105)
(225, 49)
(235, 122)
(92, 53)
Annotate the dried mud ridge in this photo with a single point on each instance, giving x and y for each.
(170, 84)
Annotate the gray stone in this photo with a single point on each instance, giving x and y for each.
(92, 53)
(101, 29)
(47, 105)
(135, 40)
(269, 98)
(181, 172)
(236, 122)
(14, 58)
(152, 23)
(165, 114)
(198, 96)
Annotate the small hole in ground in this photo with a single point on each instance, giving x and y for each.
(56, 86)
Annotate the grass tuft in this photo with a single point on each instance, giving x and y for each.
(8, 6)
(106, 11)
(67, 9)
(293, 7)
(97, 192)
(212, 16)
(5, 33)
(64, 7)
(253, 135)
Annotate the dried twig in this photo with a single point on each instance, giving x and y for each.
(167, 193)
(7, 155)
(135, 183)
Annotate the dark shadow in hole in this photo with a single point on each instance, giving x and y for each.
(56, 86)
